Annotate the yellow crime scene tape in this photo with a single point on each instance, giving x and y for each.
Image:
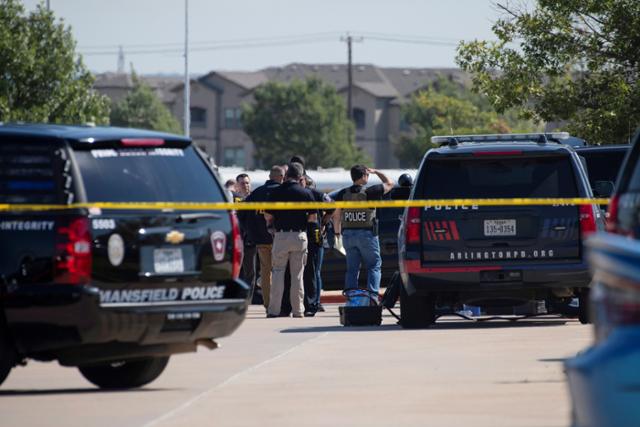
(271, 206)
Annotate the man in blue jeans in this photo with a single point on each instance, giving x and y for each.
(359, 227)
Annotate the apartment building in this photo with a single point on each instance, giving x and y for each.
(377, 97)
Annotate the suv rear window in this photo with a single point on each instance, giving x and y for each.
(34, 172)
(454, 178)
(147, 175)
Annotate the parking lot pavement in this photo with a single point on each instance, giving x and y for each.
(312, 371)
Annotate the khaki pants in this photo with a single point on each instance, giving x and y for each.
(264, 255)
(289, 246)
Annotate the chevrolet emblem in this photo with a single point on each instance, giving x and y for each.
(174, 237)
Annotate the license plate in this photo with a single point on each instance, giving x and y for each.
(499, 227)
(168, 260)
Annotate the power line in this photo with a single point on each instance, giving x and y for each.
(249, 43)
(214, 47)
(214, 42)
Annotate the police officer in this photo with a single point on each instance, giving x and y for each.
(258, 232)
(290, 241)
(312, 280)
(248, 269)
(359, 227)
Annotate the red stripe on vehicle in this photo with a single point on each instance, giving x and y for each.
(433, 231)
(447, 235)
(454, 230)
(426, 229)
(414, 266)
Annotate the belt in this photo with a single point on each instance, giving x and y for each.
(289, 231)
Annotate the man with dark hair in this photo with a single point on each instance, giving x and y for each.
(359, 227)
(243, 185)
(290, 241)
(258, 232)
(299, 159)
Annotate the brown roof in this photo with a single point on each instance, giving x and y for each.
(162, 85)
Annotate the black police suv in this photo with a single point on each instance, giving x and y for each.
(495, 256)
(114, 292)
(624, 208)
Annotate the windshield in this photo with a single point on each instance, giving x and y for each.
(147, 175)
(498, 178)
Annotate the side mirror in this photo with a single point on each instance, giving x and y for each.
(603, 188)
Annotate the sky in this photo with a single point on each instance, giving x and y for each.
(253, 34)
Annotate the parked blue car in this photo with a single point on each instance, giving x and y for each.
(604, 381)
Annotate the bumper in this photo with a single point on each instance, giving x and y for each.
(472, 279)
(69, 323)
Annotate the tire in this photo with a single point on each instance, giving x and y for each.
(584, 307)
(125, 374)
(7, 354)
(416, 311)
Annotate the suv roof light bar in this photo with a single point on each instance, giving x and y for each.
(541, 138)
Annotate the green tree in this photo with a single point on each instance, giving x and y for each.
(41, 78)
(448, 108)
(142, 108)
(564, 60)
(303, 117)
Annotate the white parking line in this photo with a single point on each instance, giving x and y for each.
(229, 380)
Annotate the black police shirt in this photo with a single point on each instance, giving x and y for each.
(254, 220)
(375, 192)
(290, 220)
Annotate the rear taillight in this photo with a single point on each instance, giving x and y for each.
(236, 254)
(72, 263)
(587, 220)
(612, 214)
(413, 225)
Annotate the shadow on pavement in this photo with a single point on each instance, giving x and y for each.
(340, 328)
(555, 359)
(62, 391)
(448, 323)
(453, 323)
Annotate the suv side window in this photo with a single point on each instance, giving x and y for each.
(147, 175)
(33, 172)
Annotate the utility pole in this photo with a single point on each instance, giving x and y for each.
(48, 5)
(120, 60)
(349, 39)
(187, 82)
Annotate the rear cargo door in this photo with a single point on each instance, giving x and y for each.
(500, 235)
(159, 255)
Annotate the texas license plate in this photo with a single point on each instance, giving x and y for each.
(168, 260)
(499, 227)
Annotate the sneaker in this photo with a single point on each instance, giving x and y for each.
(298, 315)
(271, 316)
(320, 308)
(309, 313)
